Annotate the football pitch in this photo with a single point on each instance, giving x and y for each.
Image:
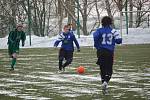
(35, 76)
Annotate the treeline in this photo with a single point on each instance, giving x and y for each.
(47, 17)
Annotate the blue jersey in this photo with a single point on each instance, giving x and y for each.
(67, 40)
(106, 38)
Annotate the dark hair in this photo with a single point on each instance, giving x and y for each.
(106, 21)
(69, 24)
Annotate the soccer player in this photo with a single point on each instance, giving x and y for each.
(105, 39)
(14, 42)
(67, 48)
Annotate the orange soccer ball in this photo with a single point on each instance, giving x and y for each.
(80, 70)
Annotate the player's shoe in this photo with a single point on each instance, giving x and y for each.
(12, 68)
(105, 87)
(63, 68)
(59, 71)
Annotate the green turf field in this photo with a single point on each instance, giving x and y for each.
(35, 76)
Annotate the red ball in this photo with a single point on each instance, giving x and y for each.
(80, 70)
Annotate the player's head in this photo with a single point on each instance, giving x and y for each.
(106, 21)
(66, 29)
(69, 26)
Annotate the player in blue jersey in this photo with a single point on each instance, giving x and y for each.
(105, 39)
(67, 48)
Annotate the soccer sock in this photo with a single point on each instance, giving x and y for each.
(67, 63)
(13, 62)
(102, 80)
(60, 65)
(107, 78)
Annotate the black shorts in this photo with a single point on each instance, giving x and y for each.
(105, 57)
(65, 54)
(105, 62)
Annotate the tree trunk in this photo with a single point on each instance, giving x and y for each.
(48, 17)
(138, 20)
(68, 4)
(70, 13)
(35, 20)
(60, 16)
(108, 8)
(98, 15)
(84, 16)
(43, 18)
(130, 14)
(13, 18)
(73, 3)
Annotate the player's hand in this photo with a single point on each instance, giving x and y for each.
(55, 47)
(23, 44)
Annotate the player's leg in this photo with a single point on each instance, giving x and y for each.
(13, 62)
(68, 58)
(109, 65)
(102, 57)
(61, 57)
(13, 55)
(108, 62)
(102, 71)
(60, 63)
(100, 62)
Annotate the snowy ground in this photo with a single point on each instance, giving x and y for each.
(35, 76)
(135, 36)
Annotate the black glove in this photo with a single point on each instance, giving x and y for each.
(23, 44)
(78, 50)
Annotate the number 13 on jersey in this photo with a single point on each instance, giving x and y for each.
(107, 39)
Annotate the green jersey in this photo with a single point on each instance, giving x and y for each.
(14, 41)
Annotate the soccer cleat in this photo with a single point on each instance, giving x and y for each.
(105, 87)
(11, 69)
(63, 69)
(59, 71)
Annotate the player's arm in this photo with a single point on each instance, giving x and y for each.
(56, 43)
(117, 36)
(23, 38)
(60, 38)
(10, 38)
(96, 37)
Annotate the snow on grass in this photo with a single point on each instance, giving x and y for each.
(135, 36)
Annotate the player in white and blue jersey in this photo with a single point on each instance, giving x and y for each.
(105, 39)
(67, 39)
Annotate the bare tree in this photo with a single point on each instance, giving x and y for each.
(74, 18)
(9, 13)
(84, 17)
(84, 11)
(109, 11)
(60, 14)
(120, 4)
(98, 14)
(141, 5)
(130, 14)
(71, 6)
